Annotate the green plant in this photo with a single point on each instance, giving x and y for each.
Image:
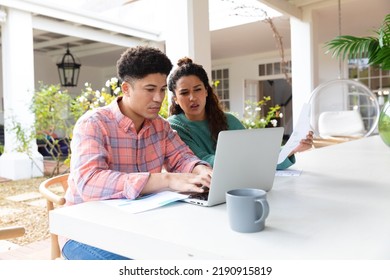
(51, 108)
(116, 89)
(90, 99)
(25, 136)
(255, 117)
(215, 83)
(376, 49)
(164, 108)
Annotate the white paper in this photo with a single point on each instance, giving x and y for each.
(300, 131)
(288, 172)
(147, 202)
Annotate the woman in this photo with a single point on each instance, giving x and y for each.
(196, 114)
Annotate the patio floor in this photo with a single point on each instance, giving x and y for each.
(49, 165)
(39, 250)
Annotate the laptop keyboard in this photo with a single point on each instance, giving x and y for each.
(200, 196)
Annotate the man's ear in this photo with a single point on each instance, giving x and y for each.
(126, 88)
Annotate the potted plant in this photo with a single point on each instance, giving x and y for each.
(377, 50)
(256, 117)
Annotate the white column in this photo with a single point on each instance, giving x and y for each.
(188, 32)
(18, 89)
(304, 59)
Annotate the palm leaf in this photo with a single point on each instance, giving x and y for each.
(354, 47)
(377, 50)
(381, 58)
(384, 32)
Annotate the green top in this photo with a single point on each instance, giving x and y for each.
(197, 136)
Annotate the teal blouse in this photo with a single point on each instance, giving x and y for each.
(197, 136)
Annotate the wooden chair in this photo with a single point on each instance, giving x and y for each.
(11, 232)
(53, 200)
(320, 142)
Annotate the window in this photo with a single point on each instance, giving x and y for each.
(274, 68)
(371, 76)
(222, 89)
(376, 79)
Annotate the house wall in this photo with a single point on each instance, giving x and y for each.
(329, 67)
(241, 69)
(46, 71)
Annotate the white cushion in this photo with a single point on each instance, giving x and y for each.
(340, 123)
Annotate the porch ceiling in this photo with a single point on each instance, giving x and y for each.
(358, 17)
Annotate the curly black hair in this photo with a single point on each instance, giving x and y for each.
(140, 61)
(214, 113)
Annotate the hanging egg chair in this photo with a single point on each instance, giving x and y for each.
(343, 109)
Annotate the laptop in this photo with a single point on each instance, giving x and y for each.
(244, 158)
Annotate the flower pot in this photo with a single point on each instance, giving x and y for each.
(384, 123)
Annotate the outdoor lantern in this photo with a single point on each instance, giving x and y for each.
(69, 70)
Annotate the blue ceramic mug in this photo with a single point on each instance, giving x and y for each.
(247, 209)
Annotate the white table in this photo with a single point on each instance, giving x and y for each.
(338, 208)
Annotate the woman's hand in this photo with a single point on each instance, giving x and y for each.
(304, 144)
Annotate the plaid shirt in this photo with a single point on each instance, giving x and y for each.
(110, 160)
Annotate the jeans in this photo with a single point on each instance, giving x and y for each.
(74, 250)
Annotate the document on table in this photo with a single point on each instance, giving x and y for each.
(147, 202)
(288, 172)
(300, 131)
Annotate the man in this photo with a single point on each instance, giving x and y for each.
(120, 150)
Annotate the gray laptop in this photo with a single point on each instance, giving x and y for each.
(243, 159)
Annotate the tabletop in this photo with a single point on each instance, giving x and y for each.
(338, 208)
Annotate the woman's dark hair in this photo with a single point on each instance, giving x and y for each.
(215, 115)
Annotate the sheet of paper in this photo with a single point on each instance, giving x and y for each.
(300, 131)
(147, 202)
(288, 172)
